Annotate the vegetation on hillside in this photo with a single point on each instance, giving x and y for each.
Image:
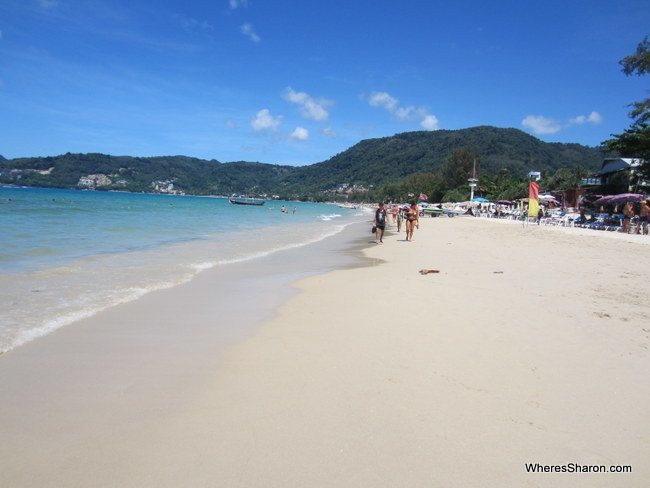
(450, 182)
(437, 163)
(377, 161)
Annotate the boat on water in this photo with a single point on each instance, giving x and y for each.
(246, 201)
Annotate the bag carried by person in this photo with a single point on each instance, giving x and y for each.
(374, 229)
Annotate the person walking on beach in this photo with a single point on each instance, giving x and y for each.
(380, 223)
(412, 220)
(628, 213)
(395, 211)
(644, 214)
(400, 218)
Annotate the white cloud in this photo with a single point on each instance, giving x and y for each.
(231, 124)
(264, 121)
(412, 113)
(192, 24)
(300, 134)
(310, 108)
(580, 119)
(592, 118)
(238, 3)
(541, 125)
(405, 113)
(329, 132)
(430, 122)
(384, 100)
(248, 31)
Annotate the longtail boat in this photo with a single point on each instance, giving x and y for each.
(246, 201)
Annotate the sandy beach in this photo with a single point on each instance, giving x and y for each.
(530, 346)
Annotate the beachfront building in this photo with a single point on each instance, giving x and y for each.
(534, 175)
(617, 175)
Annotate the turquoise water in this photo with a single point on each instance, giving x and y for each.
(68, 254)
(41, 227)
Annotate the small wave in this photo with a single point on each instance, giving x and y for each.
(326, 218)
(128, 294)
(261, 254)
(203, 266)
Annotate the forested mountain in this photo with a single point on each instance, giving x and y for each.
(370, 162)
(153, 174)
(374, 161)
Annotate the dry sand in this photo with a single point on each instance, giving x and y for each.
(529, 346)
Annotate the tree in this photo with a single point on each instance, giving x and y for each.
(635, 141)
(639, 62)
(458, 168)
(564, 179)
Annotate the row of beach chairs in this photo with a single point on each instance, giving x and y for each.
(604, 221)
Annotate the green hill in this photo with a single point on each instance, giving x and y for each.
(370, 162)
(187, 175)
(376, 161)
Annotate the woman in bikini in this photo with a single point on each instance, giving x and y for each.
(628, 213)
(412, 220)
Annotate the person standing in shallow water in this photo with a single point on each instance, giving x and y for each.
(380, 223)
(412, 220)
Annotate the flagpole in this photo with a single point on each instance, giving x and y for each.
(472, 182)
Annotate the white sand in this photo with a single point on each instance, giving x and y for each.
(529, 346)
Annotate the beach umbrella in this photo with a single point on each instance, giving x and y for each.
(620, 198)
(604, 200)
(481, 199)
(548, 198)
(504, 202)
(627, 197)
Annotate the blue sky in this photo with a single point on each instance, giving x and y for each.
(296, 82)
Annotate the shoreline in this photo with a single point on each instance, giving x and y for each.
(516, 352)
(98, 266)
(139, 362)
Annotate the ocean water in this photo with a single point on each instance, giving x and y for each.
(66, 254)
